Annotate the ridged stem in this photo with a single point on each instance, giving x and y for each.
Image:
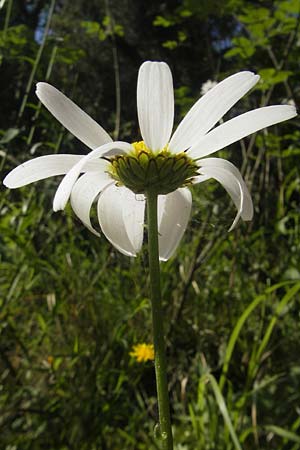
(165, 430)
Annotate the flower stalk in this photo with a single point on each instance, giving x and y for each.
(165, 430)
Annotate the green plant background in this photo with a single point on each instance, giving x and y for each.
(72, 307)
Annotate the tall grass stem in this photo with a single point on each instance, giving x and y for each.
(37, 59)
(7, 17)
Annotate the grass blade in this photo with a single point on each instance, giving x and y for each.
(223, 409)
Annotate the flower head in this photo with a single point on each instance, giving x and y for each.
(119, 174)
(142, 352)
(161, 172)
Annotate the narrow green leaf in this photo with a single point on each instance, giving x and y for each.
(235, 334)
(238, 327)
(223, 409)
(283, 433)
(41, 322)
(9, 135)
(286, 299)
(76, 345)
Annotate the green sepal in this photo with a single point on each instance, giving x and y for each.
(136, 168)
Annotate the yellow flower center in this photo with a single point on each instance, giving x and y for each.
(144, 171)
(142, 352)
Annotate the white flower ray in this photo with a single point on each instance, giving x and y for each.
(155, 104)
(210, 108)
(84, 193)
(71, 116)
(174, 211)
(121, 218)
(241, 126)
(231, 179)
(65, 188)
(40, 168)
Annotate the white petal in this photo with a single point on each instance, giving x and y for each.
(155, 104)
(210, 108)
(85, 191)
(64, 189)
(231, 179)
(39, 169)
(174, 211)
(200, 178)
(240, 127)
(121, 217)
(71, 116)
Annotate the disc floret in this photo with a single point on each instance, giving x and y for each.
(143, 170)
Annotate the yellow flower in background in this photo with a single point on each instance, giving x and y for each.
(50, 360)
(143, 352)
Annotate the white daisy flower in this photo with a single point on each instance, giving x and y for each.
(288, 101)
(119, 174)
(207, 86)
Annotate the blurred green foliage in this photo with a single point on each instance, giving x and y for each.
(71, 307)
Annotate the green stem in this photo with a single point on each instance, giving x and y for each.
(157, 323)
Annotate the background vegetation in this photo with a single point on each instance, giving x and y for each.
(71, 307)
